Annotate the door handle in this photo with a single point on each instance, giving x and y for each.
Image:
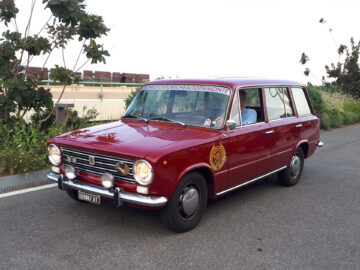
(269, 132)
(299, 126)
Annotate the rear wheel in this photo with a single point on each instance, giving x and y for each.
(291, 175)
(188, 203)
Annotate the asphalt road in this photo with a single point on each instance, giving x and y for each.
(314, 225)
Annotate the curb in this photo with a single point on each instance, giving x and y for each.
(22, 181)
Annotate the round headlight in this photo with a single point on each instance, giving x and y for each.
(70, 172)
(107, 180)
(143, 172)
(54, 154)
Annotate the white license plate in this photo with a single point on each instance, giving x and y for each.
(89, 197)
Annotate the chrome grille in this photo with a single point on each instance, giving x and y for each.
(103, 163)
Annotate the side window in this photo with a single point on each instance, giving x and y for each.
(278, 103)
(250, 103)
(301, 103)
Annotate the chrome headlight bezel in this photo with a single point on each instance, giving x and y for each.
(149, 178)
(51, 159)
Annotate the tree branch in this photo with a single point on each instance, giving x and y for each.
(27, 30)
(45, 25)
(77, 60)
(82, 65)
(63, 57)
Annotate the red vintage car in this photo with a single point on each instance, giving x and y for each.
(182, 142)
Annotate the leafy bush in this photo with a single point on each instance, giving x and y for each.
(333, 108)
(23, 147)
(74, 121)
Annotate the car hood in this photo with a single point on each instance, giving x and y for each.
(131, 139)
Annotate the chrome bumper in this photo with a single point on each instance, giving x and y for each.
(320, 144)
(117, 195)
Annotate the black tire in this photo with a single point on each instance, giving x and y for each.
(291, 175)
(181, 215)
(73, 194)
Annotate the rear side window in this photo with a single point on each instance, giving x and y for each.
(301, 103)
(278, 103)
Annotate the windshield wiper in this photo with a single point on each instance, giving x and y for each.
(168, 120)
(134, 116)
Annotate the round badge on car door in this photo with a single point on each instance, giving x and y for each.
(217, 157)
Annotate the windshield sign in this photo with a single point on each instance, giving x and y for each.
(198, 105)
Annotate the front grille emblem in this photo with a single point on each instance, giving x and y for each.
(122, 168)
(91, 160)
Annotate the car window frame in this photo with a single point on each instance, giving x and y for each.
(290, 98)
(249, 87)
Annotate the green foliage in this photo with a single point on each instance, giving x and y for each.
(67, 11)
(64, 75)
(76, 121)
(95, 52)
(91, 27)
(23, 147)
(8, 11)
(346, 74)
(130, 97)
(19, 94)
(334, 108)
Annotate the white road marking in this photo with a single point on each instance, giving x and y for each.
(17, 192)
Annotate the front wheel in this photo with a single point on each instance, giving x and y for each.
(291, 175)
(188, 203)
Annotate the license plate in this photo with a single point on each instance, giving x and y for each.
(89, 197)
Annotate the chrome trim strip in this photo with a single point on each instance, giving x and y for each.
(123, 195)
(248, 182)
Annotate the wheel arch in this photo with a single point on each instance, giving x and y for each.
(304, 145)
(205, 170)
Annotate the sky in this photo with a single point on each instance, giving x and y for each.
(197, 38)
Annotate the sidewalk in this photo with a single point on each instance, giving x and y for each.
(22, 181)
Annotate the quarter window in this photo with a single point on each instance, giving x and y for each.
(278, 103)
(301, 103)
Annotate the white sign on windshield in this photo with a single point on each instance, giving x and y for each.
(188, 87)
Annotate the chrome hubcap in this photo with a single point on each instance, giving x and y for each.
(189, 201)
(295, 166)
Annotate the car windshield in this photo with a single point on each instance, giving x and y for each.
(198, 105)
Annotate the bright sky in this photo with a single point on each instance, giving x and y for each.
(202, 38)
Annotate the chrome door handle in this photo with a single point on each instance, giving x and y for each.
(269, 132)
(299, 126)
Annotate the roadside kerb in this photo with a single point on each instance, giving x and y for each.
(22, 181)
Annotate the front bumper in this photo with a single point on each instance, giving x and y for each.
(117, 195)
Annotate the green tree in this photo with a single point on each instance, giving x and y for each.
(68, 20)
(346, 74)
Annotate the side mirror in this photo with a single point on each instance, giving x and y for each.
(230, 125)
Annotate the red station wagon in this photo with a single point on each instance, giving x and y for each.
(182, 142)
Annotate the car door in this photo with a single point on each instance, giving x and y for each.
(285, 129)
(249, 153)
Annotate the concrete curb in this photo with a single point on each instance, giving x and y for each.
(21, 181)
